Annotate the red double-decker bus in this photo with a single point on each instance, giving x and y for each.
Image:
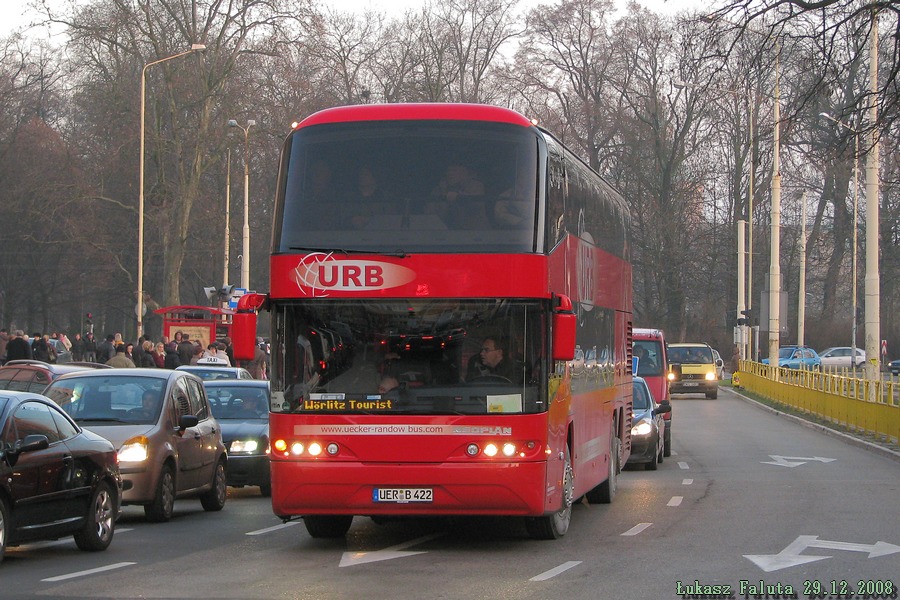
(451, 310)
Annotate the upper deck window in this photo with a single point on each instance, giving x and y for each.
(410, 186)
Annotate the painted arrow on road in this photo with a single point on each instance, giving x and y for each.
(794, 461)
(350, 559)
(791, 556)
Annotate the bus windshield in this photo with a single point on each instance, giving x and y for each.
(430, 357)
(410, 186)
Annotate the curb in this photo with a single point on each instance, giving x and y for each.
(847, 438)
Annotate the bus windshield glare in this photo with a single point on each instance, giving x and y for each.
(430, 357)
(410, 186)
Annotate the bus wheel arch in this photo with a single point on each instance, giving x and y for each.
(555, 525)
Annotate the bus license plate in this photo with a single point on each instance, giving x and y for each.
(691, 384)
(402, 495)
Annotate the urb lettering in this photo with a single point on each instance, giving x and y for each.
(331, 274)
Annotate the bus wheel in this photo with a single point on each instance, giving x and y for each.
(327, 526)
(606, 491)
(551, 527)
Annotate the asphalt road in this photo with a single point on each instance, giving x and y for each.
(746, 496)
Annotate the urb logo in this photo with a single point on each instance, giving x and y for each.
(319, 273)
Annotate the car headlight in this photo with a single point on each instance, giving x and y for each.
(244, 446)
(642, 428)
(711, 376)
(136, 449)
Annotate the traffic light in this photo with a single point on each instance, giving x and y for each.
(90, 318)
(745, 320)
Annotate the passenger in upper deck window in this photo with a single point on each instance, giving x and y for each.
(459, 183)
(516, 203)
(367, 200)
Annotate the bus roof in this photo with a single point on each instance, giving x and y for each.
(410, 112)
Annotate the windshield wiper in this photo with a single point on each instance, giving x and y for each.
(398, 253)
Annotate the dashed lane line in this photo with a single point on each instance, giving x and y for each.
(89, 572)
(273, 528)
(637, 529)
(683, 466)
(675, 501)
(556, 571)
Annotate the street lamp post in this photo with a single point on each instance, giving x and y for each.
(853, 308)
(139, 308)
(245, 258)
(227, 218)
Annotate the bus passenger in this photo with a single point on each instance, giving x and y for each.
(447, 199)
(368, 199)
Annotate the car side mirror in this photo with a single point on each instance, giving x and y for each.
(30, 443)
(664, 407)
(187, 421)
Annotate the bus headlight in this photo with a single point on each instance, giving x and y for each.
(509, 449)
(490, 450)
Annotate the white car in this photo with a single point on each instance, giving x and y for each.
(840, 358)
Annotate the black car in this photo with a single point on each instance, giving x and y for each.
(647, 427)
(894, 366)
(242, 408)
(56, 479)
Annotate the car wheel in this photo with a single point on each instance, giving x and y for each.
(551, 527)
(100, 523)
(327, 526)
(4, 526)
(160, 510)
(713, 394)
(653, 465)
(214, 499)
(667, 442)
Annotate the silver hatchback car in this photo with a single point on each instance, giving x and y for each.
(169, 444)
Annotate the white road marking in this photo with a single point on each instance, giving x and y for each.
(791, 556)
(674, 453)
(554, 572)
(675, 501)
(687, 481)
(89, 572)
(683, 466)
(794, 461)
(273, 528)
(637, 529)
(350, 559)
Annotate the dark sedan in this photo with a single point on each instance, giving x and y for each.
(647, 427)
(242, 408)
(56, 479)
(894, 366)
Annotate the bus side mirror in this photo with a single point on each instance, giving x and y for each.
(243, 326)
(564, 327)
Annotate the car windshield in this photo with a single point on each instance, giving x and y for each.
(690, 355)
(786, 352)
(641, 397)
(115, 400)
(649, 354)
(239, 402)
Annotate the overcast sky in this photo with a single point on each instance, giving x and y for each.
(15, 13)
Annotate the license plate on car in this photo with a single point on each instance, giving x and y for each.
(691, 384)
(402, 495)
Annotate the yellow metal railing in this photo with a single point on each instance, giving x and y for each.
(837, 398)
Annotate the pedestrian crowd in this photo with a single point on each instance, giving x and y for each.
(114, 351)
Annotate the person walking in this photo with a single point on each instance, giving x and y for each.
(78, 348)
(4, 340)
(90, 348)
(18, 348)
(121, 360)
(172, 360)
